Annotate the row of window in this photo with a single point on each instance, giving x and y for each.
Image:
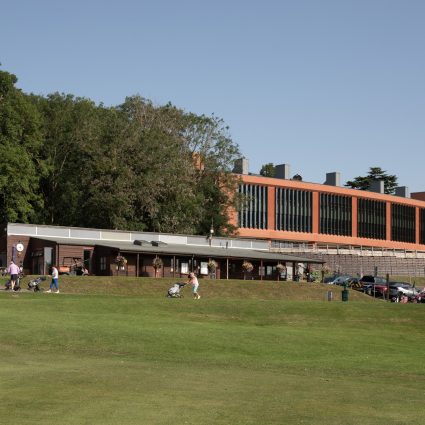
(294, 212)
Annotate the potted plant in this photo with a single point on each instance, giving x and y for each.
(247, 268)
(157, 264)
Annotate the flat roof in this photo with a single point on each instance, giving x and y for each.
(188, 250)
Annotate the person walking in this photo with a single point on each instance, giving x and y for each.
(13, 270)
(55, 280)
(193, 280)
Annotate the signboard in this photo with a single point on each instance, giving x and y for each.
(204, 268)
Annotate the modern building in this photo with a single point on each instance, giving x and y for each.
(122, 253)
(283, 220)
(353, 231)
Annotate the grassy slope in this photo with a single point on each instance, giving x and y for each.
(244, 356)
(238, 289)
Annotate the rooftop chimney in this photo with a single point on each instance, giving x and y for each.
(402, 191)
(333, 179)
(282, 171)
(377, 186)
(241, 166)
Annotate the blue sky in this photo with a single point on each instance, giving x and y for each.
(323, 85)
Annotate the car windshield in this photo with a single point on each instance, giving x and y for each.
(368, 279)
(395, 284)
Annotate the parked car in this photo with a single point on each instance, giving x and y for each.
(372, 279)
(337, 279)
(371, 285)
(375, 289)
(330, 279)
(402, 288)
(419, 298)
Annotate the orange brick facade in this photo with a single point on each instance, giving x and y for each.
(270, 233)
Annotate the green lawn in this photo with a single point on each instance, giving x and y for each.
(119, 352)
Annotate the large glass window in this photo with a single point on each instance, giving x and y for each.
(403, 221)
(335, 214)
(293, 210)
(371, 219)
(422, 226)
(253, 210)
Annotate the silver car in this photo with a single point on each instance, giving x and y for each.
(402, 288)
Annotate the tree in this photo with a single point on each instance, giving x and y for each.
(72, 136)
(375, 173)
(136, 166)
(268, 170)
(20, 144)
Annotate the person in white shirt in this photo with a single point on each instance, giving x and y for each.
(55, 280)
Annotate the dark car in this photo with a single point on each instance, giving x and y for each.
(375, 289)
(373, 279)
(374, 285)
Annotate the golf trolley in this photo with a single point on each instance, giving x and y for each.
(17, 287)
(174, 291)
(34, 284)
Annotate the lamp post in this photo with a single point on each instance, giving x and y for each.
(211, 232)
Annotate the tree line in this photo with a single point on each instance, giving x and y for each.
(137, 166)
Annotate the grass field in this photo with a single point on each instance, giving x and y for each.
(116, 351)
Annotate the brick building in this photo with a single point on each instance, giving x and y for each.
(353, 231)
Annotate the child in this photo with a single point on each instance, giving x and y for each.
(193, 280)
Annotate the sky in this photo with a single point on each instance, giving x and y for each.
(322, 85)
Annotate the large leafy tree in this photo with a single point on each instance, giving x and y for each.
(375, 173)
(135, 166)
(268, 170)
(21, 165)
(72, 128)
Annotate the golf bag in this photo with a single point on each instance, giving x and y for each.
(17, 287)
(174, 291)
(34, 284)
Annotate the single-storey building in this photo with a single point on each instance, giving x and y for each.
(125, 253)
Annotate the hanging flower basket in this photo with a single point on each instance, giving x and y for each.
(247, 266)
(120, 261)
(212, 266)
(280, 268)
(157, 263)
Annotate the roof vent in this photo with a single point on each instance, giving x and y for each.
(141, 242)
(377, 186)
(333, 179)
(402, 191)
(282, 171)
(158, 243)
(241, 166)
